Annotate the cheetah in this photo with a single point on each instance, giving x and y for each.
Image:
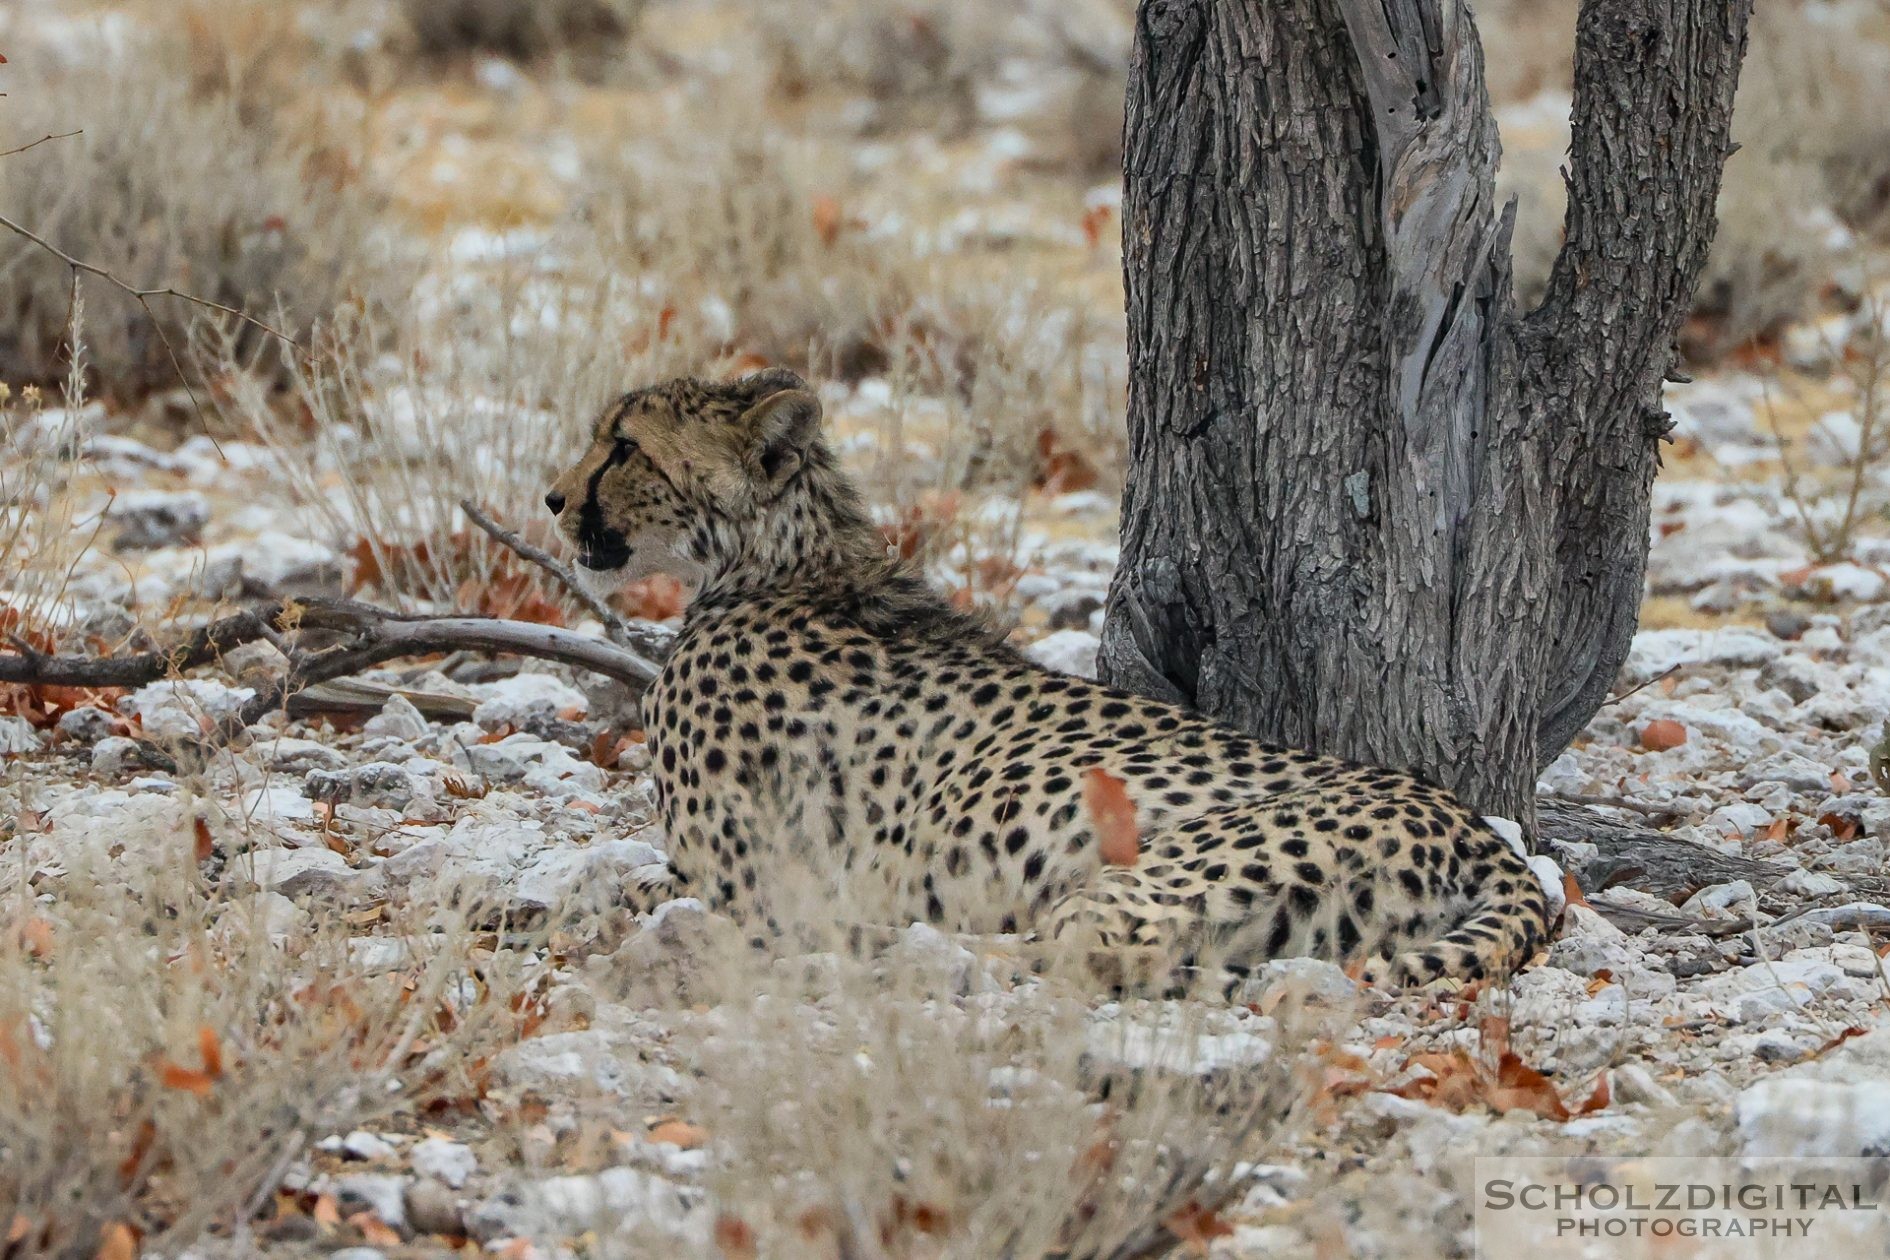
(820, 694)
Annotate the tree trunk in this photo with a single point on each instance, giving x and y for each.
(1372, 509)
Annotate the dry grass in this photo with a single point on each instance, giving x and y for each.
(867, 1092)
(181, 174)
(1832, 473)
(740, 253)
(1055, 70)
(166, 1049)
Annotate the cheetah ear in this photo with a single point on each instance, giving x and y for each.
(776, 433)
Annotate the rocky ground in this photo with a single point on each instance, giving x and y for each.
(1751, 1020)
(478, 818)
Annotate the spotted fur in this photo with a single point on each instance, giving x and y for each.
(822, 695)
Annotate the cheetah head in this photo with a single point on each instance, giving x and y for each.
(678, 473)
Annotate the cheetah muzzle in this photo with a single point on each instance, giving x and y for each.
(821, 691)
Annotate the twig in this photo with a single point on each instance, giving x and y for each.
(1664, 674)
(64, 135)
(619, 628)
(93, 269)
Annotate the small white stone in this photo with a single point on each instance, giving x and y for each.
(450, 1163)
(277, 805)
(1791, 1117)
(87, 725)
(525, 697)
(17, 737)
(363, 1145)
(1735, 897)
(384, 1194)
(148, 519)
(277, 868)
(1836, 582)
(1805, 883)
(399, 719)
(1066, 652)
(115, 754)
(183, 708)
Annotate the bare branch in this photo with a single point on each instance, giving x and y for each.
(368, 637)
(378, 636)
(142, 295)
(64, 135)
(207, 644)
(641, 637)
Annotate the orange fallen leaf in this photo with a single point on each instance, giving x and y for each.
(1599, 1099)
(141, 1145)
(1842, 827)
(1838, 1040)
(211, 1050)
(19, 1229)
(1662, 734)
(37, 935)
(1521, 1087)
(374, 1230)
(117, 1242)
(205, 843)
(190, 1080)
(1197, 1227)
(1572, 890)
(327, 1211)
(829, 218)
(1113, 815)
(679, 1133)
(735, 1237)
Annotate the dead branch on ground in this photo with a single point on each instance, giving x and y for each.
(325, 639)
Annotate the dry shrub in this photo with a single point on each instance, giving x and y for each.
(180, 176)
(1052, 68)
(41, 531)
(765, 252)
(391, 425)
(732, 259)
(165, 1053)
(1813, 170)
(523, 30)
(901, 1121)
(1837, 493)
(911, 1094)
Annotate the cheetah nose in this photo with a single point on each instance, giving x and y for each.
(555, 502)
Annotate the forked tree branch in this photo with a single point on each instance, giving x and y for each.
(361, 636)
(1650, 136)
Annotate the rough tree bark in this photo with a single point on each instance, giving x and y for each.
(1372, 508)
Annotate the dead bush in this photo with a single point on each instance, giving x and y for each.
(164, 184)
(1053, 70)
(167, 1048)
